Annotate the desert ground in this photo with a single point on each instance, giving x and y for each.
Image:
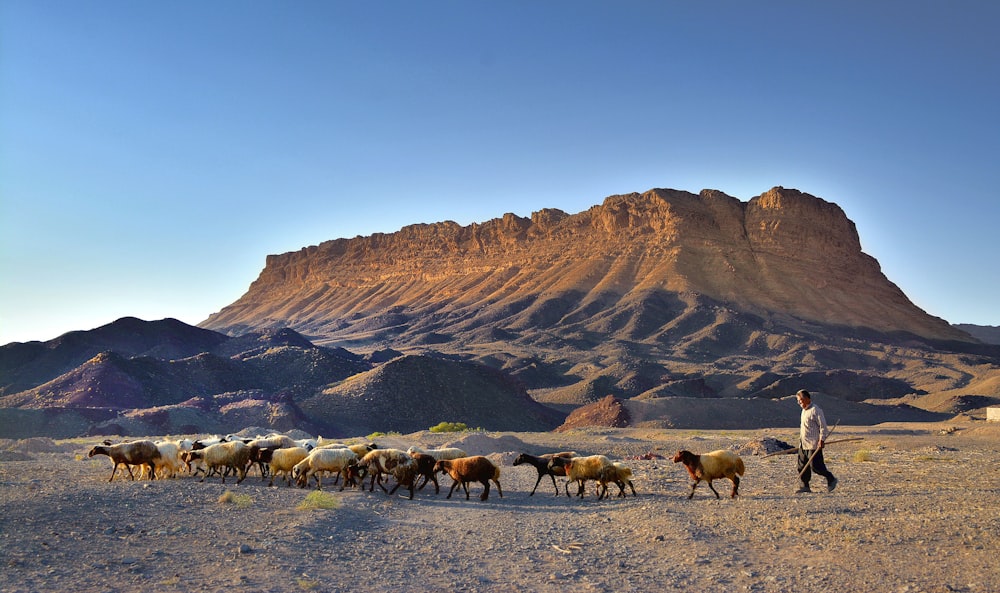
(917, 510)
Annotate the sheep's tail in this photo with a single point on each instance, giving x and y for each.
(740, 468)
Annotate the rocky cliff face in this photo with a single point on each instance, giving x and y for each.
(655, 295)
(783, 254)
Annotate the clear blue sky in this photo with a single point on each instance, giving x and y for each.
(152, 154)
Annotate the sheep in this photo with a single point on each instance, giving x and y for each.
(441, 453)
(282, 461)
(323, 460)
(234, 455)
(308, 444)
(425, 468)
(360, 449)
(620, 474)
(541, 464)
(380, 461)
(128, 454)
(406, 473)
(170, 459)
(710, 466)
(581, 469)
(470, 469)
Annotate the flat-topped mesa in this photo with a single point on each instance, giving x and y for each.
(784, 253)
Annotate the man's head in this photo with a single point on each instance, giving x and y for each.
(804, 399)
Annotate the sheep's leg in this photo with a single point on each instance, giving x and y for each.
(114, 469)
(540, 476)
(452, 489)
(736, 487)
(712, 488)
(486, 490)
(465, 486)
(499, 490)
(554, 485)
(567, 488)
(693, 486)
(131, 476)
(632, 486)
(152, 471)
(579, 491)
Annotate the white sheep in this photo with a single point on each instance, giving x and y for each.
(169, 462)
(128, 454)
(581, 469)
(439, 454)
(711, 466)
(335, 461)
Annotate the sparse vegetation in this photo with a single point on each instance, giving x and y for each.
(306, 584)
(241, 501)
(449, 427)
(862, 455)
(317, 499)
(379, 433)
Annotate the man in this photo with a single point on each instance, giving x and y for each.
(812, 433)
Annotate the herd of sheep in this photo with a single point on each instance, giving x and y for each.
(310, 460)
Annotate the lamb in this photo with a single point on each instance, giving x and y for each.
(425, 468)
(323, 460)
(711, 466)
(233, 455)
(471, 469)
(581, 469)
(541, 464)
(406, 473)
(282, 461)
(439, 454)
(142, 453)
(620, 474)
(380, 461)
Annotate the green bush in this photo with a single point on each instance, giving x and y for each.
(449, 427)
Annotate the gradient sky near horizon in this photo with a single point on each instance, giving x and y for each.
(153, 154)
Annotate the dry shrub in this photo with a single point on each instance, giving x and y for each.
(862, 455)
(241, 501)
(317, 499)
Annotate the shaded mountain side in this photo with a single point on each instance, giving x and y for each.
(110, 380)
(416, 392)
(736, 413)
(275, 360)
(988, 334)
(29, 364)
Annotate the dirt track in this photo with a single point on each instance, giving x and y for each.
(923, 514)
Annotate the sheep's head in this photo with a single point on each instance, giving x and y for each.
(684, 457)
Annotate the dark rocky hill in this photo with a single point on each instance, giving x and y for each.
(417, 392)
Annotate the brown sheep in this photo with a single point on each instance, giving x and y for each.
(129, 454)
(471, 469)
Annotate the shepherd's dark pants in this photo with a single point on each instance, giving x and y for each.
(817, 465)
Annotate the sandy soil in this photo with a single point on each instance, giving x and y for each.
(917, 509)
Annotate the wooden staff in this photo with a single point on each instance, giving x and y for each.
(796, 449)
(810, 462)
